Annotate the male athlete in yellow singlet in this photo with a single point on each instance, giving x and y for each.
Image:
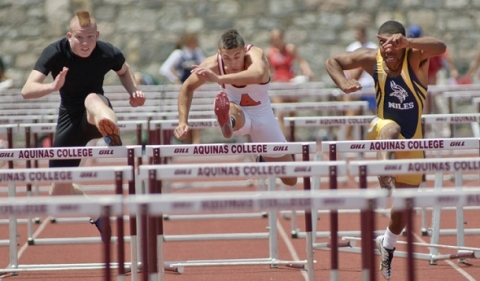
(400, 70)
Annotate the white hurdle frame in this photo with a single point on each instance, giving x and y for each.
(167, 151)
(156, 173)
(334, 147)
(202, 123)
(364, 120)
(127, 152)
(68, 206)
(155, 205)
(407, 166)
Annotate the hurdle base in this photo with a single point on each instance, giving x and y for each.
(326, 234)
(454, 232)
(432, 259)
(239, 262)
(424, 231)
(166, 267)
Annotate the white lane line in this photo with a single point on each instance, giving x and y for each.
(35, 235)
(290, 247)
(25, 246)
(452, 264)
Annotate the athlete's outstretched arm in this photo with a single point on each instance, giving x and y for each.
(257, 71)
(137, 97)
(185, 96)
(35, 88)
(426, 46)
(337, 64)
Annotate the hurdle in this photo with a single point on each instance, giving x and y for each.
(155, 173)
(127, 152)
(457, 165)
(66, 205)
(217, 151)
(330, 121)
(333, 147)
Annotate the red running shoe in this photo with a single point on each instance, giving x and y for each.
(222, 111)
(110, 132)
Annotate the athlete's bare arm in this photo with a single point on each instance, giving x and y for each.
(35, 88)
(363, 58)
(185, 95)
(137, 97)
(257, 70)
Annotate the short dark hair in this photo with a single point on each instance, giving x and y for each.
(392, 27)
(231, 39)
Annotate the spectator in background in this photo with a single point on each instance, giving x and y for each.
(145, 78)
(5, 82)
(472, 70)
(178, 65)
(436, 63)
(283, 57)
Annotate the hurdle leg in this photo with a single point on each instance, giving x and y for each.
(436, 219)
(106, 244)
(272, 226)
(138, 253)
(424, 229)
(160, 252)
(316, 186)
(460, 216)
(12, 230)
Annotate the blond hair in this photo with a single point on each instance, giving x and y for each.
(83, 18)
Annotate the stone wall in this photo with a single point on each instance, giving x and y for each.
(146, 30)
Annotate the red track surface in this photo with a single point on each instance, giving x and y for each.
(289, 249)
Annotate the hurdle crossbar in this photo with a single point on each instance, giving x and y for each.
(127, 152)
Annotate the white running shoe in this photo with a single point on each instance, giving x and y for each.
(387, 182)
(386, 258)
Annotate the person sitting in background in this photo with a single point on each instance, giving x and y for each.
(178, 65)
(282, 58)
(5, 81)
(469, 77)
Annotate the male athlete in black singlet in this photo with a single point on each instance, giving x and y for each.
(78, 64)
(400, 70)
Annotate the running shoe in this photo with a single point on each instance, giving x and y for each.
(259, 159)
(103, 226)
(387, 182)
(222, 111)
(110, 132)
(386, 256)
